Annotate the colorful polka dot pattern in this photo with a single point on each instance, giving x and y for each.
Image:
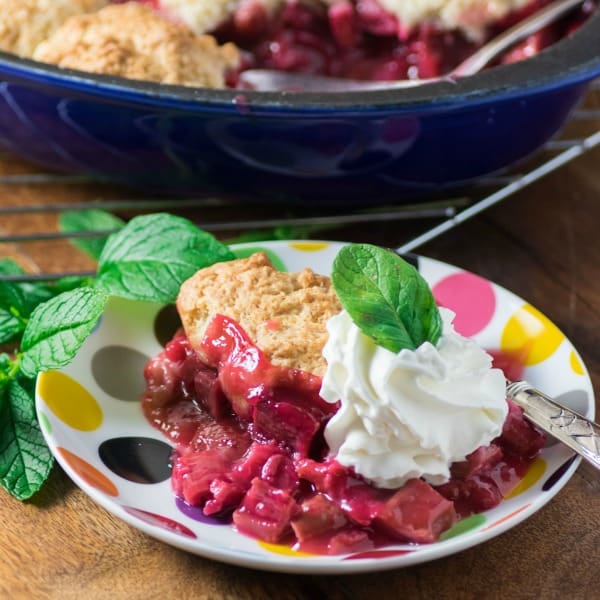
(91, 409)
(470, 297)
(531, 335)
(70, 401)
(88, 473)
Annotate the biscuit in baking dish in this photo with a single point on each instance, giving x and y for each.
(283, 313)
(26, 23)
(130, 40)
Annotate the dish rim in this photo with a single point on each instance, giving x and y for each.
(572, 60)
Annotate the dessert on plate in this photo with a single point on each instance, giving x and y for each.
(308, 413)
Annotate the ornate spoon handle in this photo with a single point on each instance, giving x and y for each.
(570, 428)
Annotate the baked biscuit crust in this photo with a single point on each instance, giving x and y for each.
(283, 313)
(130, 40)
(26, 23)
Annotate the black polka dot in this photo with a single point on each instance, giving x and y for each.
(137, 459)
(166, 323)
(412, 259)
(557, 475)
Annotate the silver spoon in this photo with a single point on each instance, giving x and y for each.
(572, 429)
(271, 80)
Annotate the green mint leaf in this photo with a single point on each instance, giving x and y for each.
(25, 460)
(11, 327)
(65, 284)
(58, 328)
(11, 324)
(8, 370)
(153, 254)
(386, 297)
(75, 221)
(17, 300)
(23, 297)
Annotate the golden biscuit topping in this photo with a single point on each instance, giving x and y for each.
(26, 23)
(130, 40)
(283, 313)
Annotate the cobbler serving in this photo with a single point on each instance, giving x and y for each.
(295, 425)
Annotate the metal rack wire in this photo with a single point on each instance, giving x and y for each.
(581, 135)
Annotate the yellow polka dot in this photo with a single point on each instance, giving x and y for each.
(537, 469)
(281, 549)
(309, 246)
(575, 363)
(70, 401)
(531, 335)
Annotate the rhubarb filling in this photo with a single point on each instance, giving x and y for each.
(249, 448)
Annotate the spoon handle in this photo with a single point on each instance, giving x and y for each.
(572, 429)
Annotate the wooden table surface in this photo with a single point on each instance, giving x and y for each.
(542, 243)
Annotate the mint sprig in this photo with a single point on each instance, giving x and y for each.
(386, 297)
(77, 221)
(25, 460)
(58, 328)
(148, 260)
(17, 300)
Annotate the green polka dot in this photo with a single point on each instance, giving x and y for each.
(463, 526)
(45, 423)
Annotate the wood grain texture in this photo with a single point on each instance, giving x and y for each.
(543, 244)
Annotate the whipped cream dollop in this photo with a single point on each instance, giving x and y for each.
(412, 413)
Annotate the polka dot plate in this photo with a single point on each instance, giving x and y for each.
(92, 421)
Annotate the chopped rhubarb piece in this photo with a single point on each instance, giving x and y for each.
(375, 19)
(511, 363)
(225, 497)
(360, 501)
(349, 540)
(250, 20)
(265, 512)
(252, 462)
(225, 432)
(209, 394)
(472, 495)
(193, 473)
(292, 425)
(416, 513)
(344, 24)
(318, 516)
(279, 472)
(519, 436)
(164, 375)
(483, 458)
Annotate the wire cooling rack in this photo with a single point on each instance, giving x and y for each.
(580, 135)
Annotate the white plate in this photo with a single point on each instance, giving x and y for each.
(94, 401)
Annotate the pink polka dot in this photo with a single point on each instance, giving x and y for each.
(378, 554)
(160, 521)
(471, 297)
